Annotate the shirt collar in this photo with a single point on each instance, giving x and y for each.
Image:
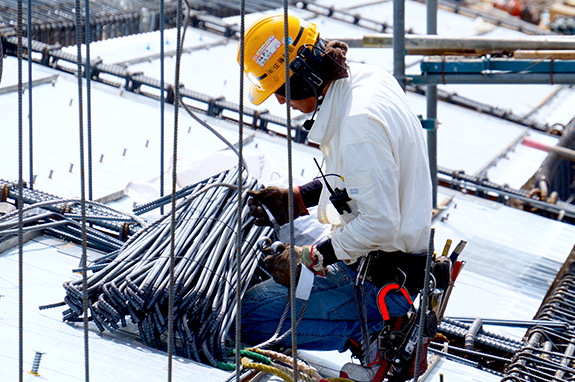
(318, 131)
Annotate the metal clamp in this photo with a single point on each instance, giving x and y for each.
(364, 265)
(267, 247)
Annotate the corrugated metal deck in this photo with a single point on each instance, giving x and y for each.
(122, 357)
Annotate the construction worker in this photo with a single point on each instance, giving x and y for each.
(379, 199)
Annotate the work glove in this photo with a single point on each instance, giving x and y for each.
(276, 200)
(279, 265)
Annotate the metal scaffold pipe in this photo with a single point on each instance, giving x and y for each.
(431, 97)
(398, 42)
(454, 44)
(494, 78)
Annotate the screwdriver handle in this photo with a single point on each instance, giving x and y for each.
(457, 251)
(446, 248)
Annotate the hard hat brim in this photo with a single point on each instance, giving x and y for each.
(265, 51)
(257, 96)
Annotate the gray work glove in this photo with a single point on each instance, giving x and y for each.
(276, 200)
(279, 265)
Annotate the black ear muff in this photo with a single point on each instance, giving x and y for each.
(306, 65)
(300, 67)
(312, 56)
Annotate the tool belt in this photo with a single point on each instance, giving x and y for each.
(387, 267)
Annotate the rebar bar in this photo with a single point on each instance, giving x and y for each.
(548, 352)
(106, 216)
(423, 303)
(135, 281)
(483, 337)
(20, 204)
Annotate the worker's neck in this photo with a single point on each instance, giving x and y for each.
(325, 89)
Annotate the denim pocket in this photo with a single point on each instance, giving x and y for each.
(346, 311)
(337, 277)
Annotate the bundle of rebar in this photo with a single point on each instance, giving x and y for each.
(483, 337)
(40, 221)
(134, 282)
(549, 352)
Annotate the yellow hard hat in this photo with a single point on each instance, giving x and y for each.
(264, 62)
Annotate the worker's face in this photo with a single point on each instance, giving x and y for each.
(306, 105)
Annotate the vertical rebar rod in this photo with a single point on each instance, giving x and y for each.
(174, 183)
(290, 191)
(240, 167)
(20, 206)
(431, 94)
(399, 41)
(87, 37)
(162, 100)
(423, 304)
(30, 119)
(84, 260)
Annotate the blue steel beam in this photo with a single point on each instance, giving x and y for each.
(493, 78)
(432, 65)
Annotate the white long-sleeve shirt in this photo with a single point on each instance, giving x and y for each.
(369, 136)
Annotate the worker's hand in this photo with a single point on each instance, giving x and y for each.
(279, 265)
(276, 200)
(313, 260)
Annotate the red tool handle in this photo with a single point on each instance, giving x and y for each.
(456, 269)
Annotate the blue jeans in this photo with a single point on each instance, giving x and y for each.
(331, 317)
